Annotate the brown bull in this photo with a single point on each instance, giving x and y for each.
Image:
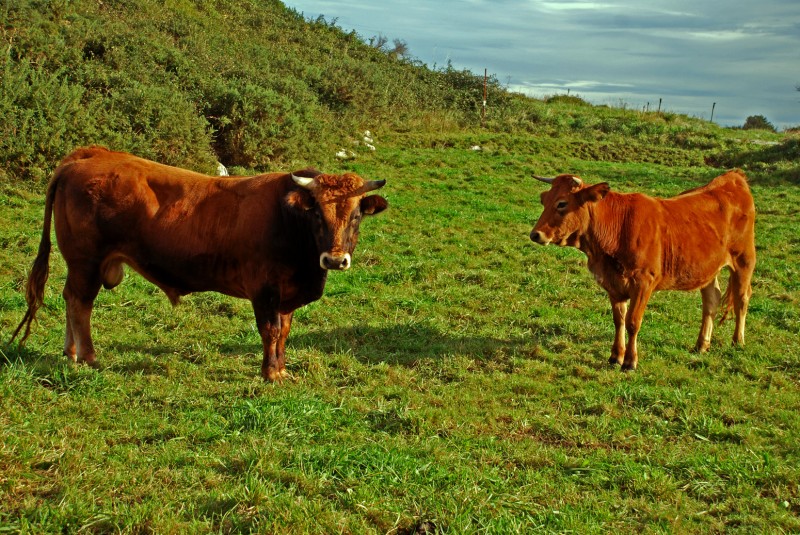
(636, 245)
(269, 238)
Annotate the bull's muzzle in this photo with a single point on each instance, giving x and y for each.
(329, 261)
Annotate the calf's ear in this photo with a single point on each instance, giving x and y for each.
(593, 193)
(299, 199)
(374, 204)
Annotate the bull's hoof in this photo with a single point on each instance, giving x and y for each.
(614, 361)
(628, 367)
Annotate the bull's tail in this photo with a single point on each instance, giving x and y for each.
(726, 303)
(34, 292)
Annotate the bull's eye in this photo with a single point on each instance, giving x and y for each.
(561, 205)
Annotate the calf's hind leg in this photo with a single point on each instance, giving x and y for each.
(711, 297)
(740, 289)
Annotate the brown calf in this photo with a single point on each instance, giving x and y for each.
(636, 245)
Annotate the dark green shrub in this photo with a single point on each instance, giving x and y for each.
(758, 122)
(571, 100)
(42, 117)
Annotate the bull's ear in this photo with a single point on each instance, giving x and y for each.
(593, 193)
(300, 199)
(374, 204)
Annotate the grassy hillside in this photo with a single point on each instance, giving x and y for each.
(252, 84)
(454, 380)
(248, 83)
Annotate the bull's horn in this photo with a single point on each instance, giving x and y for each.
(549, 180)
(577, 182)
(303, 182)
(373, 185)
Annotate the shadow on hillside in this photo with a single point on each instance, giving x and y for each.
(770, 164)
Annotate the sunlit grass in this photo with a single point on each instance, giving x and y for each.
(454, 379)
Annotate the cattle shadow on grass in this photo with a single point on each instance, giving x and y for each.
(399, 344)
(51, 370)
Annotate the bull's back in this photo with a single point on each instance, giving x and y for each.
(112, 200)
(182, 230)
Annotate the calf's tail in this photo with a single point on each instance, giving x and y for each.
(34, 292)
(726, 303)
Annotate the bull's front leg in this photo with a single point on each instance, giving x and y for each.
(286, 325)
(268, 321)
(633, 322)
(619, 309)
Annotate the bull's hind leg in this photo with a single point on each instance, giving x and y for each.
(80, 292)
(741, 291)
(69, 338)
(711, 297)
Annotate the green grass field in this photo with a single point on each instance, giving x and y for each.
(453, 381)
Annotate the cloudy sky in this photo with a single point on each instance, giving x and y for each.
(743, 55)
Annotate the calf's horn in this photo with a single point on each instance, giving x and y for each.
(549, 180)
(303, 182)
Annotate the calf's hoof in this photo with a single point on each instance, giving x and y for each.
(271, 375)
(88, 360)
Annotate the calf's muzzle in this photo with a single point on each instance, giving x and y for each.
(539, 237)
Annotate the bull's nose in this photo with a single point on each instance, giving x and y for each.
(329, 261)
(537, 236)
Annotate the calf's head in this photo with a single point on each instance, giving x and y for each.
(566, 210)
(335, 205)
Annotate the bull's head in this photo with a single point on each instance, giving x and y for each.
(566, 210)
(336, 204)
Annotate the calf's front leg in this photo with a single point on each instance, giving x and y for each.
(633, 322)
(619, 309)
